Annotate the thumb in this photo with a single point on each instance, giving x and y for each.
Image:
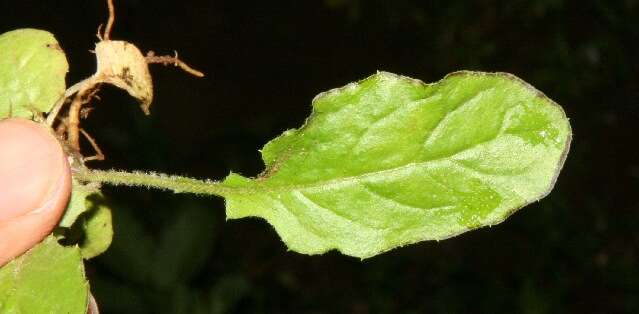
(35, 185)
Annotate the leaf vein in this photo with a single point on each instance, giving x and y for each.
(309, 202)
(465, 103)
(404, 205)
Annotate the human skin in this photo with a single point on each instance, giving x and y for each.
(35, 185)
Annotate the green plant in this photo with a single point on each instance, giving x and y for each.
(381, 163)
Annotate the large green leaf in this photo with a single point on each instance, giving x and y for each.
(390, 161)
(32, 71)
(47, 279)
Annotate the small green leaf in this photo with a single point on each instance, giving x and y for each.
(32, 71)
(47, 279)
(78, 203)
(86, 222)
(97, 226)
(391, 161)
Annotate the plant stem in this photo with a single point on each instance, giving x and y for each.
(176, 184)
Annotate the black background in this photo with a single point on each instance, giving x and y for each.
(576, 251)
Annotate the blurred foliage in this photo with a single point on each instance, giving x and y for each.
(576, 251)
(150, 272)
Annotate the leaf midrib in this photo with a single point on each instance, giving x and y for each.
(345, 180)
(261, 186)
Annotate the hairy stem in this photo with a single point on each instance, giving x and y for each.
(176, 184)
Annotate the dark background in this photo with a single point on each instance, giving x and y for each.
(576, 251)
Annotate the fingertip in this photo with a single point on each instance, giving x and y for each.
(35, 178)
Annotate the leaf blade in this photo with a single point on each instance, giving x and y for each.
(97, 225)
(47, 279)
(391, 161)
(32, 72)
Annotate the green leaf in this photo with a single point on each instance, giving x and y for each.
(87, 222)
(97, 226)
(47, 279)
(78, 203)
(391, 161)
(32, 71)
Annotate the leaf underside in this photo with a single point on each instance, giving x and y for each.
(390, 161)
